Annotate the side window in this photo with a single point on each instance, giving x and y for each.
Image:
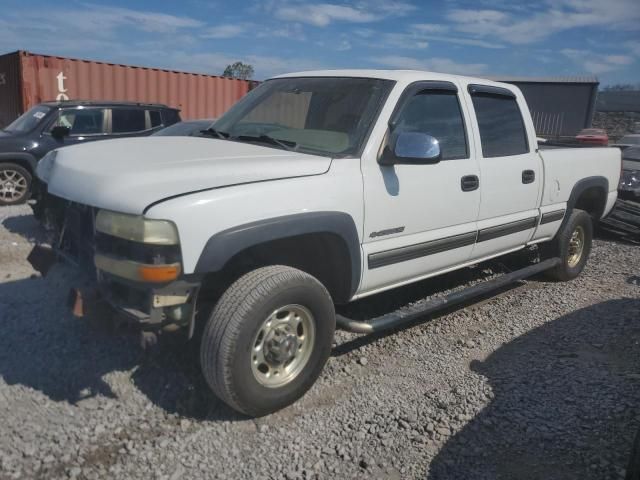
(155, 119)
(170, 117)
(436, 113)
(502, 131)
(127, 120)
(81, 121)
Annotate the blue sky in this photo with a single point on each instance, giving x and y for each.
(499, 37)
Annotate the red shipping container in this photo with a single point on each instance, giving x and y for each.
(27, 79)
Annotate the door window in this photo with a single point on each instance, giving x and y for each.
(154, 118)
(128, 120)
(502, 131)
(436, 113)
(81, 121)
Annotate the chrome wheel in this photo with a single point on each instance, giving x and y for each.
(283, 345)
(13, 185)
(576, 247)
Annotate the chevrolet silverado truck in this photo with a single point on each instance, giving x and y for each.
(317, 189)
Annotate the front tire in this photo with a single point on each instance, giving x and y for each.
(15, 184)
(572, 245)
(267, 339)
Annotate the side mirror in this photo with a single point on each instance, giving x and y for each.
(413, 148)
(60, 132)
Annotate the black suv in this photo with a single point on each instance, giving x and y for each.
(53, 125)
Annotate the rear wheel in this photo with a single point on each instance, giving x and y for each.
(267, 339)
(572, 245)
(15, 184)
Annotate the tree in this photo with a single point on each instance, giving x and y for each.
(240, 70)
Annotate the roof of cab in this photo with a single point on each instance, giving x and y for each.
(397, 75)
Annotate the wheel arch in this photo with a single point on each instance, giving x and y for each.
(590, 195)
(324, 244)
(24, 159)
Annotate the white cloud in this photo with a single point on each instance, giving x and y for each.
(323, 14)
(435, 64)
(344, 46)
(559, 16)
(596, 63)
(224, 31)
(430, 27)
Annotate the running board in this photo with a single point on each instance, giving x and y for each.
(400, 318)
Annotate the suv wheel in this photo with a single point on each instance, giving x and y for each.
(15, 184)
(267, 339)
(572, 244)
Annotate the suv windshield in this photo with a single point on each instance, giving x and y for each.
(322, 115)
(28, 120)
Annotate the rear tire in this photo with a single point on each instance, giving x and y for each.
(572, 245)
(267, 339)
(15, 184)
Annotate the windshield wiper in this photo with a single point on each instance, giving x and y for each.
(286, 144)
(212, 131)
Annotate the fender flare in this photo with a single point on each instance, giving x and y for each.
(223, 246)
(20, 158)
(584, 184)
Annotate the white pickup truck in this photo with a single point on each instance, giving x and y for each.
(317, 189)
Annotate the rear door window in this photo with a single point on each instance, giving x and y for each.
(155, 119)
(82, 121)
(128, 120)
(502, 131)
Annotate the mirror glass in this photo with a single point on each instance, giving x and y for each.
(417, 145)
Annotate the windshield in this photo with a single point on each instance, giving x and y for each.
(28, 120)
(630, 139)
(322, 115)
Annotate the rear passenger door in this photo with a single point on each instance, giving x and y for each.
(510, 170)
(134, 122)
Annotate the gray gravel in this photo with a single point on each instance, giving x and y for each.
(540, 382)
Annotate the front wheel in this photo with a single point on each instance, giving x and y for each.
(572, 245)
(267, 339)
(15, 184)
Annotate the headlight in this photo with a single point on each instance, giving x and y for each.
(137, 228)
(45, 166)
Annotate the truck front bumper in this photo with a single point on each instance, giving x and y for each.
(145, 306)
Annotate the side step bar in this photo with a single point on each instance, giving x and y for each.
(403, 317)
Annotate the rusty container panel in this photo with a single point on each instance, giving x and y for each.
(10, 99)
(57, 78)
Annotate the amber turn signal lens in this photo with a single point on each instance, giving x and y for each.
(158, 273)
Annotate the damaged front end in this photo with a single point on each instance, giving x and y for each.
(133, 265)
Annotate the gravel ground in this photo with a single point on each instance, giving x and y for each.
(540, 382)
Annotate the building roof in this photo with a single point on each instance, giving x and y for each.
(557, 79)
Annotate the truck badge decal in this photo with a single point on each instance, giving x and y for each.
(388, 231)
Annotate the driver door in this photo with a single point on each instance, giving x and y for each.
(420, 219)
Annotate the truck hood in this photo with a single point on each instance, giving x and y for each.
(127, 175)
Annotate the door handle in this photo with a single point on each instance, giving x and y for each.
(468, 183)
(528, 176)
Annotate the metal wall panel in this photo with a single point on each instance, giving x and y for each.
(559, 109)
(57, 78)
(10, 98)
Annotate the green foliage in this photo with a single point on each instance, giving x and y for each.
(240, 70)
